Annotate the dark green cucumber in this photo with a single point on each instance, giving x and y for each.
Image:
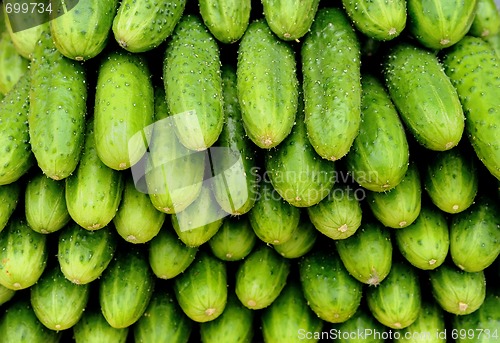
(429, 327)
(9, 198)
(301, 242)
(267, 85)
(23, 255)
(6, 294)
(396, 302)
(260, 277)
(381, 20)
(487, 19)
(456, 291)
(330, 291)
(227, 20)
(332, 86)
(58, 303)
(379, 156)
(125, 288)
(194, 90)
(362, 321)
(290, 19)
(83, 255)
(424, 96)
(373, 258)
(289, 315)
(201, 290)
(45, 204)
(234, 240)
(82, 33)
(58, 109)
(477, 89)
(93, 328)
(12, 65)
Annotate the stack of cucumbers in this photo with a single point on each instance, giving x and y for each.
(233, 171)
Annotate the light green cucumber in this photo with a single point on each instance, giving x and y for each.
(234, 240)
(487, 19)
(494, 41)
(430, 326)
(12, 65)
(301, 242)
(9, 198)
(347, 332)
(93, 328)
(227, 20)
(6, 294)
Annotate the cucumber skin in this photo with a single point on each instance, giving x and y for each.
(25, 41)
(487, 20)
(9, 198)
(431, 320)
(332, 87)
(93, 328)
(234, 240)
(227, 20)
(12, 65)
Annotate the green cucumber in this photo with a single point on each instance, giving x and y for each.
(373, 259)
(143, 25)
(124, 108)
(45, 204)
(381, 20)
(93, 328)
(372, 163)
(332, 86)
(330, 291)
(438, 24)
(424, 96)
(9, 198)
(201, 290)
(82, 32)
(234, 240)
(290, 19)
(194, 90)
(23, 255)
(396, 302)
(83, 255)
(371, 331)
(125, 288)
(12, 65)
(301, 242)
(289, 315)
(487, 19)
(476, 88)
(267, 85)
(58, 303)
(494, 41)
(227, 20)
(429, 327)
(6, 294)
(260, 277)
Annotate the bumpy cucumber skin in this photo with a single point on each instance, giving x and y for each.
(364, 321)
(143, 25)
(82, 33)
(290, 19)
(494, 41)
(487, 20)
(12, 65)
(438, 24)
(332, 86)
(16, 158)
(430, 320)
(9, 198)
(227, 20)
(424, 96)
(267, 85)
(58, 109)
(301, 242)
(379, 156)
(93, 328)
(478, 92)
(234, 240)
(193, 86)
(381, 20)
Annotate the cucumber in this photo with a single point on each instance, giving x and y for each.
(332, 87)
(260, 277)
(288, 315)
(380, 20)
(487, 19)
(424, 96)
(58, 109)
(82, 32)
(494, 41)
(125, 288)
(194, 90)
(9, 198)
(45, 204)
(234, 240)
(429, 327)
(301, 242)
(396, 302)
(93, 328)
(83, 255)
(330, 291)
(6, 294)
(23, 255)
(474, 236)
(12, 65)
(137, 220)
(400, 206)
(227, 20)
(373, 165)
(267, 85)
(168, 256)
(201, 290)
(425, 243)
(476, 89)
(58, 303)
(361, 322)
(373, 259)
(16, 158)
(438, 24)
(290, 20)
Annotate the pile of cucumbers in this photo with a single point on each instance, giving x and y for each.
(250, 171)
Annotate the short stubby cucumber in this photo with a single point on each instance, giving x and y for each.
(430, 320)
(12, 65)
(93, 328)
(301, 242)
(487, 19)
(193, 89)
(424, 96)
(227, 20)
(267, 85)
(9, 198)
(143, 25)
(332, 86)
(234, 240)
